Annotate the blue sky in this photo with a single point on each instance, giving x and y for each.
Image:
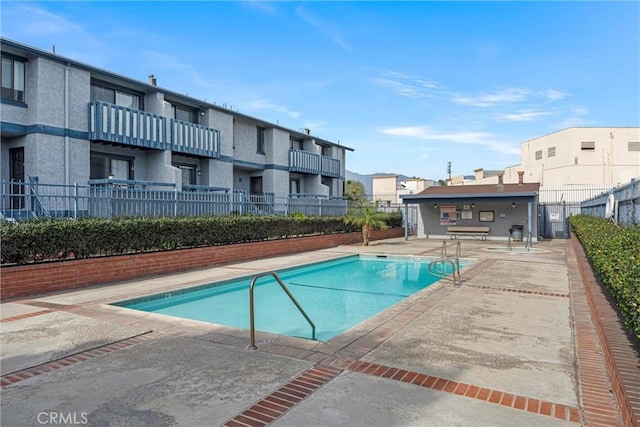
(408, 85)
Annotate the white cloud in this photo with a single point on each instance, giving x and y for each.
(474, 138)
(260, 5)
(34, 21)
(555, 95)
(502, 96)
(525, 115)
(160, 60)
(407, 86)
(263, 104)
(401, 89)
(328, 28)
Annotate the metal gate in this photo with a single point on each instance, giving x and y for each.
(411, 214)
(553, 219)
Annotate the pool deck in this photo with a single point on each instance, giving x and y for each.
(516, 344)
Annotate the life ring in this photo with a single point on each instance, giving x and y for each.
(610, 206)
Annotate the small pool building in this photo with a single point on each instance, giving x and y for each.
(493, 211)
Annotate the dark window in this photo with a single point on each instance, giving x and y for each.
(12, 79)
(115, 96)
(551, 152)
(538, 154)
(326, 150)
(184, 114)
(260, 140)
(105, 165)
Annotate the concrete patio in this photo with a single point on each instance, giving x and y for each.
(513, 345)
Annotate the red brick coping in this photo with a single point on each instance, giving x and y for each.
(23, 280)
(620, 351)
(18, 376)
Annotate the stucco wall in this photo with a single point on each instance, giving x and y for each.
(610, 162)
(44, 111)
(505, 216)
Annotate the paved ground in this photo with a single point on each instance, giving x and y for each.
(501, 349)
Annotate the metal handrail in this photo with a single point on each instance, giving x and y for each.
(252, 344)
(454, 260)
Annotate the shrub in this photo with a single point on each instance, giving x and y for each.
(614, 253)
(53, 239)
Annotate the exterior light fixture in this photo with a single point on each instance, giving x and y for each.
(473, 205)
(513, 205)
(435, 206)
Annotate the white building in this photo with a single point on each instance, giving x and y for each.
(387, 189)
(576, 156)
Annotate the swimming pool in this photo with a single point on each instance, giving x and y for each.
(336, 295)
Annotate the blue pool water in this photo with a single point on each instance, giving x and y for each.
(336, 295)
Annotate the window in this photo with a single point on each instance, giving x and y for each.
(260, 140)
(115, 96)
(538, 154)
(12, 79)
(188, 174)
(184, 114)
(294, 186)
(634, 146)
(326, 150)
(551, 152)
(296, 144)
(107, 165)
(588, 145)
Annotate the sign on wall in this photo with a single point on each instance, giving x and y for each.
(448, 215)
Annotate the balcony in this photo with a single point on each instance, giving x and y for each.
(306, 162)
(190, 138)
(113, 123)
(330, 167)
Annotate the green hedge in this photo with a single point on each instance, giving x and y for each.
(50, 239)
(614, 253)
(40, 240)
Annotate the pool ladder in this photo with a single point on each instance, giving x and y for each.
(252, 344)
(437, 267)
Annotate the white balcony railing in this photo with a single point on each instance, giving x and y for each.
(306, 162)
(191, 138)
(113, 123)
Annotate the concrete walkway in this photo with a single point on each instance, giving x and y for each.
(510, 346)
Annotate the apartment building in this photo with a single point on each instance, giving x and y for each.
(66, 122)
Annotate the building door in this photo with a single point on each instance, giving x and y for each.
(255, 189)
(16, 173)
(255, 186)
(188, 174)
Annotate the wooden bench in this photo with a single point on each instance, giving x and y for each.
(459, 230)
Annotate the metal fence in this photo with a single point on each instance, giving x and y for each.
(626, 208)
(117, 198)
(557, 204)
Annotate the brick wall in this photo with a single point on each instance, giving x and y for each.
(23, 280)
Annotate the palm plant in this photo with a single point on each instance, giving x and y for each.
(366, 217)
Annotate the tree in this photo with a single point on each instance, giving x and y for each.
(366, 217)
(355, 191)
